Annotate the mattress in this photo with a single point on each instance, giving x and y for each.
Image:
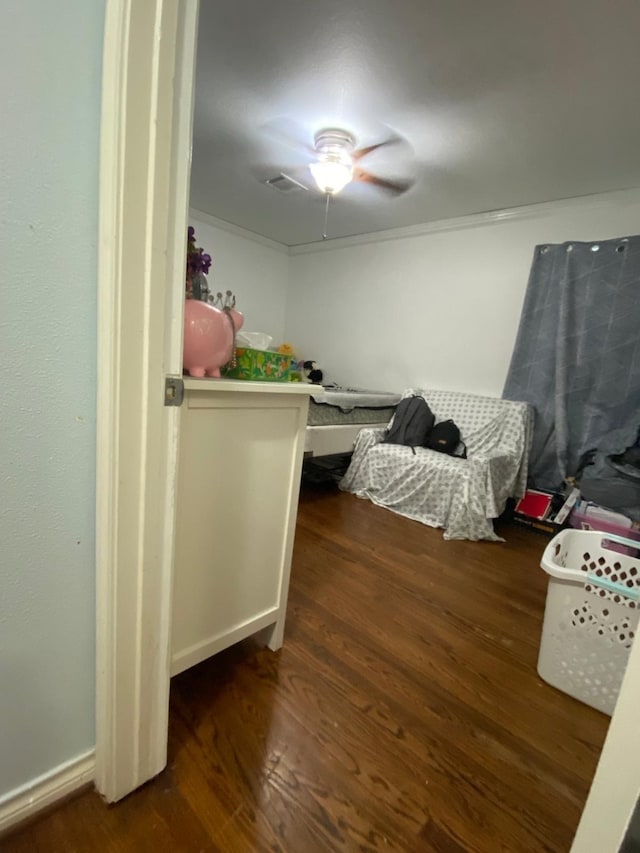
(336, 416)
(348, 399)
(322, 414)
(335, 405)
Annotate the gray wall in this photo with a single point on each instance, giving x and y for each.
(50, 82)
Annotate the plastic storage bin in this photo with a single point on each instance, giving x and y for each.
(591, 615)
(588, 516)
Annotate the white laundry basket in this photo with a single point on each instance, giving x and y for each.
(591, 615)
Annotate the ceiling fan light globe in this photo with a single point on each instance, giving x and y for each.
(331, 176)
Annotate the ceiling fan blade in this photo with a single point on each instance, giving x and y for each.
(362, 152)
(393, 187)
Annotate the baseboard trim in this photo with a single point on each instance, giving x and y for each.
(25, 802)
(186, 658)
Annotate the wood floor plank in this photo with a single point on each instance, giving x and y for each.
(441, 652)
(404, 712)
(452, 753)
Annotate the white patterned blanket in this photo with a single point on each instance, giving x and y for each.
(460, 495)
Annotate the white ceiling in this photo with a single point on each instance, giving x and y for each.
(503, 102)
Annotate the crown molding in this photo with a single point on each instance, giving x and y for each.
(615, 198)
(236, 230)
(476, 220)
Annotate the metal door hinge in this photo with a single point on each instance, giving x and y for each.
(173, 390)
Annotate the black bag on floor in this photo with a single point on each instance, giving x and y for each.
(412, 423)
(445, 437)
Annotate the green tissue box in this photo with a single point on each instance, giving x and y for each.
(260, 365)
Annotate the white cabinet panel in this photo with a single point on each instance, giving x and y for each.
(240, 456)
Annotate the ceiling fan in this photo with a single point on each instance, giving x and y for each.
(335, 161)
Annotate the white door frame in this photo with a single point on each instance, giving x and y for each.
(616, 785)
(146, 133)
(148, 85)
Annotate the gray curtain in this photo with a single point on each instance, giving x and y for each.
(577, 354)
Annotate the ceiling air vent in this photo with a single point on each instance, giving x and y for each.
(285, 184)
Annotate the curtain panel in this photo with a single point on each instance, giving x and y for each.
(577, 354)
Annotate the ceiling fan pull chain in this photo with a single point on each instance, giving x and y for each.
(326, 216)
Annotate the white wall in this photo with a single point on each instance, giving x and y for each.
(436, 310)
(254, 268)
(50, 82)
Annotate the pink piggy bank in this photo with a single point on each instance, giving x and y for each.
(208, 337)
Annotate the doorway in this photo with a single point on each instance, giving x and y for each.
(149, 65)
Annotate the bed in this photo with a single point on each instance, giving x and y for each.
(336, 416)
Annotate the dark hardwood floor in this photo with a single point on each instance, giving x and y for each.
(404, 712)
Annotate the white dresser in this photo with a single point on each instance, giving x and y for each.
(241, 448)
